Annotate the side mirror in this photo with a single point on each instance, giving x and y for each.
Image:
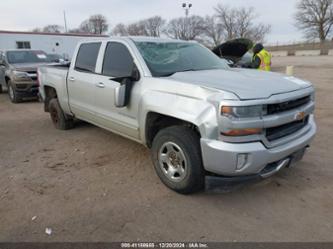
(120, 96)
(123, 92)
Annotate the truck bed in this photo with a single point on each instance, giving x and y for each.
(55, 76)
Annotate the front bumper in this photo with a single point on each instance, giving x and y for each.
(221, 157)
(26, 89)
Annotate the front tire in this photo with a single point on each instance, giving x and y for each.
(59, 119)
(12, 93)
(177, 159)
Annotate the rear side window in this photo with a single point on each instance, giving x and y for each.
(87, 57)
(117, 60)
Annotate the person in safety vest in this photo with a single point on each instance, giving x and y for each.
(262, 59)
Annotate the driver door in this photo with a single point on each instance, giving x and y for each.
(117, 60)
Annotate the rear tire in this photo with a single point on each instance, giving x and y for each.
(177, 159)
(60, 120)
(1, 91)
(12, 93)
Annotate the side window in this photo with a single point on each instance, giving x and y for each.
(118, 61)
(87, 57)
(23, 45)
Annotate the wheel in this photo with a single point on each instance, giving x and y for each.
(177, 159)
(60, 120)
(1, 91)
(12, 93)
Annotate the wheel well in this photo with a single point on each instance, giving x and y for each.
(156, 122)
(50, 93)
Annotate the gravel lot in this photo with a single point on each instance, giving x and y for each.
(88, 184)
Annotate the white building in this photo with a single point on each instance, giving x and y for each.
(51, 43)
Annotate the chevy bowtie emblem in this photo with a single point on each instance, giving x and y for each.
(300, 116)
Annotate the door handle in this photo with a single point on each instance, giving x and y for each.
(71, 79)
(100, 85)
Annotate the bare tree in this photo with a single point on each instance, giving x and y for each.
(260, 32)
(315, 18)
(148, 27)
(213, 31)
(37, 30)
(244, 20)
(227, 19)
(85, 27)
(186, 28)
(96, 24)
(133, 29)
(76, 31)
(53, 28)
(137, 29)
(120, 30)
(240, 23)
(154, 26)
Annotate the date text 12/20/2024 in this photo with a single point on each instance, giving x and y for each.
(164, 245)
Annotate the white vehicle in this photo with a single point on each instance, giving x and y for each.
(199, 116)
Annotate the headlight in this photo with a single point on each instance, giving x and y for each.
(243, 111)
(18, 75)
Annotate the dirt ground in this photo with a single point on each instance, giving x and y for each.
(88, 184)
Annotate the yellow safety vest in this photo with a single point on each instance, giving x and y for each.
(266, 60)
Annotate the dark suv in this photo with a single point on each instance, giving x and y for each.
(18, 73)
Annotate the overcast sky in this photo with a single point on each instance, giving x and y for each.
(22, 15)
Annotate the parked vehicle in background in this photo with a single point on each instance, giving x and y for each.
(198, 116)
(56, 58)
(18, 72)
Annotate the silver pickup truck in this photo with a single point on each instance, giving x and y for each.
(198, 116)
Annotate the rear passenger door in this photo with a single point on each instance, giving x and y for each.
(82, 80)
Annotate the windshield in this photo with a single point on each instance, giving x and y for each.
(165, 59)
(32, 56)
(53, 57)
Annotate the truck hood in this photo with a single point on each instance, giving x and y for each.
(27, 67)
(247, 84)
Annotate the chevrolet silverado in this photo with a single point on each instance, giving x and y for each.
(198, 116)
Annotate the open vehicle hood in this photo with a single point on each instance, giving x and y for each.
(247, 84)
(233, 49)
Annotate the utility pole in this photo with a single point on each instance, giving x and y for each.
(65, 20)
(187, 7)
